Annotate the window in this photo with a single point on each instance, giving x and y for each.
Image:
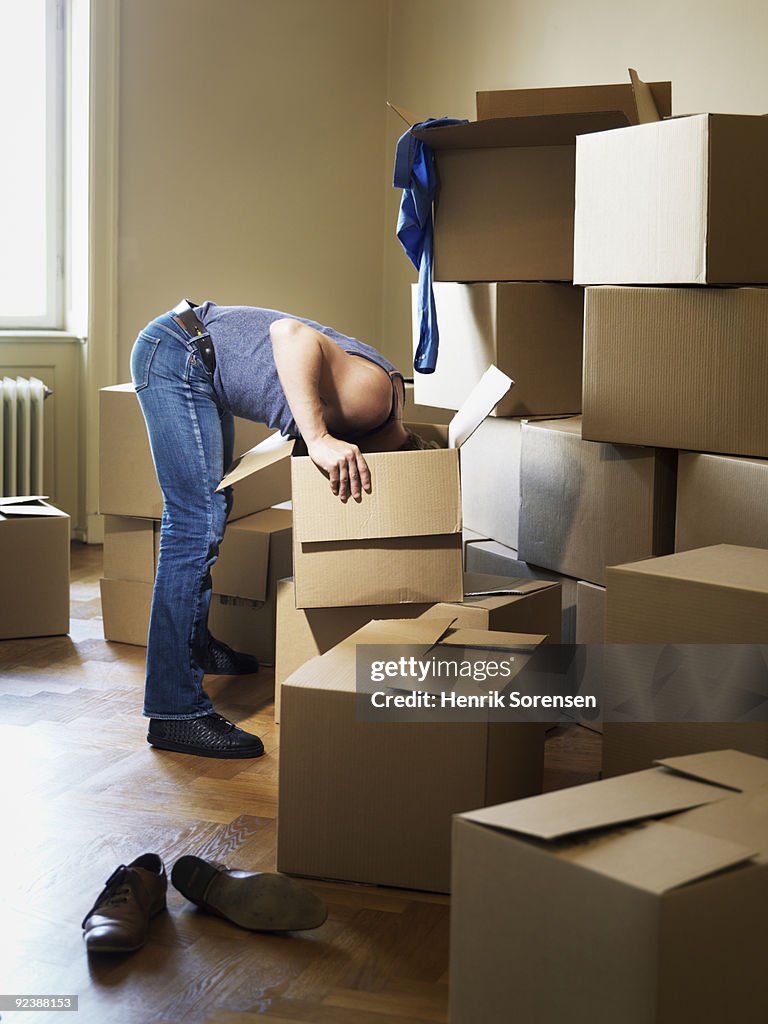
(32, 170)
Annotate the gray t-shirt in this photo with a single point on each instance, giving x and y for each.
(246, 380)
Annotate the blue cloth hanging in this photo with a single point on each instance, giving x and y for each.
(416, 174)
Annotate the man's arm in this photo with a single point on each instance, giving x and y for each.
(324, 393)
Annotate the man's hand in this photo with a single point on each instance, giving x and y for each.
(344, 464)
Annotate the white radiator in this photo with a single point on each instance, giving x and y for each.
(21, 435)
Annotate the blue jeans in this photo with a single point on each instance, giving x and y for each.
(191, 438)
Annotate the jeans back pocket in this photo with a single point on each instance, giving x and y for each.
(143, 352)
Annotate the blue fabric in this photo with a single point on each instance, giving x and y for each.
(415, 173)
(191, 437)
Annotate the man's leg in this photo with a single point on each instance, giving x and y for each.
(191, 442)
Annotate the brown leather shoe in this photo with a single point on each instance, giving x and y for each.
(119, 919)
(259, 900)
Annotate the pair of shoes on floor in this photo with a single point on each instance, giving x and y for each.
(221, 660)
(208, 736)
(118, 922)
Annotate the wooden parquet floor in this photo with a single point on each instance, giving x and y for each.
(83, 792)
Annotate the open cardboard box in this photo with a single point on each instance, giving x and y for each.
(401, 542)
(581, 905)
(505, 205)
(372, 801)
(34, 554)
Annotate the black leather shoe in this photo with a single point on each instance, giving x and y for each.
(208, 736)
(259, 900)
(119, 919)
(221, 660)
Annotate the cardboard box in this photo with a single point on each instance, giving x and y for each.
(255, 554)
(490, 480)
(400, 543)
(579, 905)
(34, 554)
(413, 410)
(493, 603)
(127, 481)
(714, 595)
(497, 559)
(506, 201)
(678, 368)
(682, 201)
(577, 99)
(532, 330)
(372, 801)
(635, 746)
(721, 500)
(585, 506)
(131, 547)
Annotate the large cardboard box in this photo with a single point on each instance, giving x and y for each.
(400, 543)
(677, 367)
(713, 595)
(255, 554)
(491, 602)
(505, 206)
(579, 905)
(488, 556)
(532, 330)
(579, 99)
(585, 506)
(721, 500)
(372, 801)
(34, 554)
(682, 201)
(127, 481)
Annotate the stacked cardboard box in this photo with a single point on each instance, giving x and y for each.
(255, 553)
(504, 294)
(669, 240)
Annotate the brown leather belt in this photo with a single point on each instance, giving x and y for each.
(185, 316)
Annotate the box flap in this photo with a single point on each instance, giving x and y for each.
(616, 801)
(478, 584)
(27, 508)
(509, 132)
(426, 632)
(742, 818)
(579, 98)
(730, 768)
(489, 639)
(413, 494)
(645, 103)
(658, 856)
(271, 450)
(488, 391)
(406, 115)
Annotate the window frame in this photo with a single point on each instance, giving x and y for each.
(54, 317)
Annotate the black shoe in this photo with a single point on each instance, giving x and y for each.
(258, 900)
(208, 736)
(221, 660)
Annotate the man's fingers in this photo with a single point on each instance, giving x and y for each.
(343, 472)
(333, 473)
(354, 476)
(365, 473)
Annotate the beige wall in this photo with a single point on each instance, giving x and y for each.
(444, 50)
(251, 142)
